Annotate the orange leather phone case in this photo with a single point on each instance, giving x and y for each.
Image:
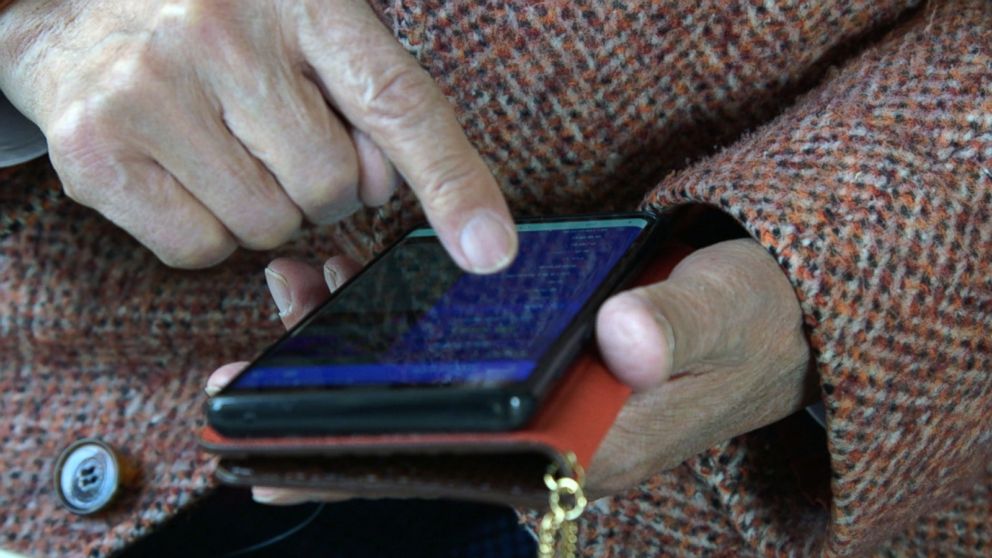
(505, 467)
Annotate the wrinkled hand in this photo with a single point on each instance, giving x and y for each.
(201, 125)
(715, 351)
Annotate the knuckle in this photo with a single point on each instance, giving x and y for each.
(190, 19)
(80, 144)
(77, 131)
(131, 81)
(448, 182)
(399, 94)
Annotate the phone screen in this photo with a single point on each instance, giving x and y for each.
(413, 318)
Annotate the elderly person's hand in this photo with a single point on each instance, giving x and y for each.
(715, 351)
(201, 125)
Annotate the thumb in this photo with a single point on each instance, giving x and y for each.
(648, 334)
(717, 306)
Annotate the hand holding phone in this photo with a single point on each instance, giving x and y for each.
(414, 344)
(737, 328)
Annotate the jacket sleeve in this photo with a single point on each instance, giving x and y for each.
(874, 193)
(20, 139)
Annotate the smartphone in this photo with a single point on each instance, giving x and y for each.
(414, 344)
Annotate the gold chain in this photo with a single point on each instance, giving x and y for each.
(559, 533)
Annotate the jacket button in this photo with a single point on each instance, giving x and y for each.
(89, 475)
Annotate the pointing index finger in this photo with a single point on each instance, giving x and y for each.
(382, 91)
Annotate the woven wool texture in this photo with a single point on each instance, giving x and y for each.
(852, 139)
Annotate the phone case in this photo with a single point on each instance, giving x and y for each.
(503, 467)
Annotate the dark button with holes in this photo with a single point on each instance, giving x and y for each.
(88, 476)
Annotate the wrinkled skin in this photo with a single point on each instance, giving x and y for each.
(715, 351)
(199, 126)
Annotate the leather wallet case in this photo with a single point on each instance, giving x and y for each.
(503, 467)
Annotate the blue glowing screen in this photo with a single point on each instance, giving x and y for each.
(414, 318)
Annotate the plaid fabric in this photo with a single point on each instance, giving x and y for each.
(869, 179)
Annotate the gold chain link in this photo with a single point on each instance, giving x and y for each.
(559, 533)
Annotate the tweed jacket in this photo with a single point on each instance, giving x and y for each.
(851, 138)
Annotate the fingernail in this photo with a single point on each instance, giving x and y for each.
(331, 277)
(211, 389)
(487, 242)
(280, 292)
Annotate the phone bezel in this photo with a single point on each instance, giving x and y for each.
(298, 411)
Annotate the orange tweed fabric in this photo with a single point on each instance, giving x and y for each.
(870, 180)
